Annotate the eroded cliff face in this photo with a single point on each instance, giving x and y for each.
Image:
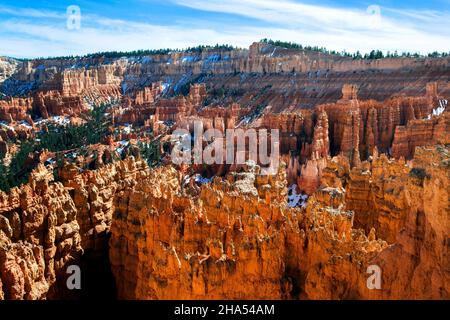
(74, 75)
(407, 203)
(219, 244)
(262, 74)
(357, 126)
(236, 239)
(45, 226)
(354, 128)
(7, 68)
(39, 236)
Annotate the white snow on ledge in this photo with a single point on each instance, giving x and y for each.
(25, 124)
(5, 125)
(202, 180)
(294, 199)
(187, 59)
(439, 110)
(197, 178)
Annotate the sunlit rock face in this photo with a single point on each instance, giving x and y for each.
(237, 238)
(404, 202)
(39, 236)
(45, 226)
(7, 68)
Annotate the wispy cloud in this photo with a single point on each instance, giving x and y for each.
(35, 40)
(31, 13)
(420, 28)
(282, 12)
(32, 33)
(288, 12)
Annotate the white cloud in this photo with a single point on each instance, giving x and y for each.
(108, 35)
(31, 13)
(284, 12)
(401, 29)
(288, 12)
(333, 28)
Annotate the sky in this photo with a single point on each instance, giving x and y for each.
(37, 28)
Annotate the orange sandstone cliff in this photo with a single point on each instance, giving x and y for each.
(235, 238)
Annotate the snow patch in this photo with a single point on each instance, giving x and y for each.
(213, 58)
(124, 87)
(296, 200)
(4, 125)
(199, 179)
(50, 161)
(25, 124)
(188, 59)
(123, 144)
(60, 120)
(273, 52)
(127, 128)
(165, 86)
(245, 121)
(439, 110)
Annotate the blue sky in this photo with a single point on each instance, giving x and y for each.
(39, 28)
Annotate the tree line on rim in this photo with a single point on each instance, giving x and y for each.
(373, 55)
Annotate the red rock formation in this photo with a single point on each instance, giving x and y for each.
(295, 77)
(349, 92)
(197, 93)
(356, 127)
(236, 230)
(53, 103)
(76, 81)
(38, 237)
(408, 206)
(201, 248)
(45, 225)
(93, 195)
(145, 97)
(344, 125)
(311, 172)
(420, 133)
(172, 110)
(235, 242)
(16, 109)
